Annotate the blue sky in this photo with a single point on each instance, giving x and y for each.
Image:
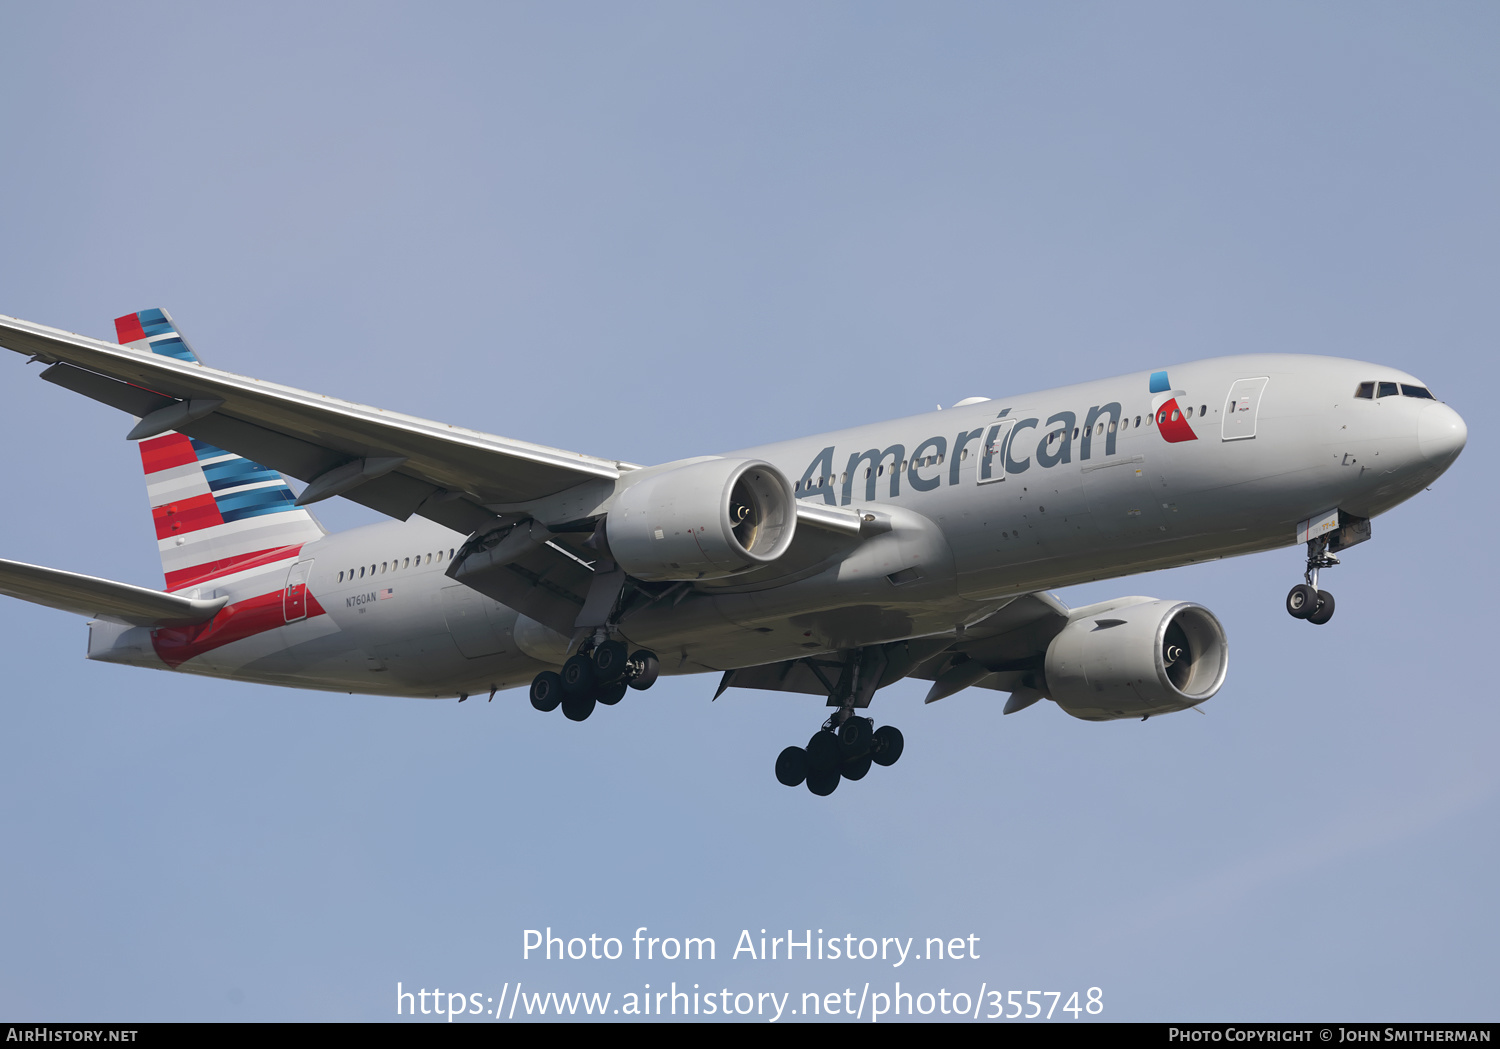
(658, 230)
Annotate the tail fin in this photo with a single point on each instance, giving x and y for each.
(216, 513)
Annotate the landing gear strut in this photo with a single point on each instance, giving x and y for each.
(848, 743)
(1305, 600)
(599, 674)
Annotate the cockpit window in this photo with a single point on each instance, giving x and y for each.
(1417, 391)
(1366, 390)
(1387, 389)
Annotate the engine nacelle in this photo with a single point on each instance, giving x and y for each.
(1136, 660)
(705, 520)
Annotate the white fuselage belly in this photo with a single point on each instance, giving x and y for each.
(986, 507)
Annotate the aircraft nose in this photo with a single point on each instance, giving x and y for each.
(1441, 434)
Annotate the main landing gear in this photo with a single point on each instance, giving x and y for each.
(844, 753)
(599, 674)
(1305, 600)
(848, 743)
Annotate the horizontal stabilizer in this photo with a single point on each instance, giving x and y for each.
(97, 598)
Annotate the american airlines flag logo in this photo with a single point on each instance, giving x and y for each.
(384, 594)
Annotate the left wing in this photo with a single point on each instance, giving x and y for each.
(1004, 651)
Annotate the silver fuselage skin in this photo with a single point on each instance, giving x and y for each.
(983, 502)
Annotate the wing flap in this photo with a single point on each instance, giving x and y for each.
(98, 598)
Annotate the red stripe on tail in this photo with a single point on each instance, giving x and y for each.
(185, 577)
(163, 453)
(128, 329)
(186, 515)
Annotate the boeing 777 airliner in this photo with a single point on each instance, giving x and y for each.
(830, 565)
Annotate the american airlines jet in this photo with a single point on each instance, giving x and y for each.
(831, 565)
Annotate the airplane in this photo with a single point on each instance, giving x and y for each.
(831, 565)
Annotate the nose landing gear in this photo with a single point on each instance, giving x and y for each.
(1305, 600)
(600, 674)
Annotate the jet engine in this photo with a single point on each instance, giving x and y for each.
(1136, 660)
(704, 520)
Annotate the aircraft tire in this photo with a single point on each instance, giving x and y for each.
(823, 783)
(1325, 609)
(855, 768)
(546, 691)
(888, 745)
(1301, 601)
(610, 661)
(855, 735)
(609, 695)
(578, 708)
(578, 676)
(823, 753)
(649, 666)
(791, 767)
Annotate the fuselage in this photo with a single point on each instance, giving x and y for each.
(974, 505)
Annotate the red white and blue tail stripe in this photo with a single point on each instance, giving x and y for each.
(216, 513)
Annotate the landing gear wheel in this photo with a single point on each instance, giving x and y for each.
(1301, 601)
(855, 736)
(578, 708)
(546, 691)
(823, 783)
(887, 745)
(610, 662)
(791, 767)
(578, 677)
(609, 695)
(646, 667)
(823, 754)
(1325, 609)
(855, 768)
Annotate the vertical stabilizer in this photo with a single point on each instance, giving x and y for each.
(216, 513)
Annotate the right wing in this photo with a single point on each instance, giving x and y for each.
(397, 464)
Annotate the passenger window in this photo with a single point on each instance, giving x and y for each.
(1138, 420)
(1366, 390)
(1417, 391)
(1202, 410)
(1387, 389)
(963, 455)
(341, 577)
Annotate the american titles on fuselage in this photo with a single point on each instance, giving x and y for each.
(999, 447)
